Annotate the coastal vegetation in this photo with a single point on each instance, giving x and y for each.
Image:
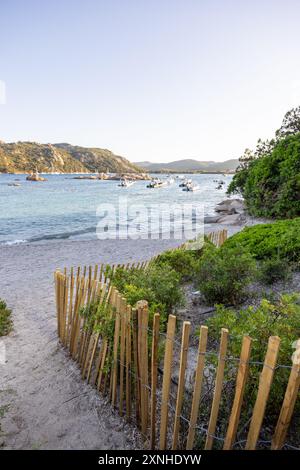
(25, 157)
(280, 318)
(269, 241)
(5, 319)
(269, 177)
(225, 273)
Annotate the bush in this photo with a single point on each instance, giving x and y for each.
(158, 284)
(273, 270)
(265, 241)
(5, 319)
(280, 319)
(182, 261)
(224, 274)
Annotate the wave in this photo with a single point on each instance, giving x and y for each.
(13, 242)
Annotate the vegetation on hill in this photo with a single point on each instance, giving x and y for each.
(24, 157)
(269, 178)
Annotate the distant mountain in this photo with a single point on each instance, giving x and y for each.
(190, 165)
(24, 157)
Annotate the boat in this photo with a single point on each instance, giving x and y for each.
(170, 180)
(157, 183)
(124, 183)
(185, 182)
(191, 187)
(14, 184)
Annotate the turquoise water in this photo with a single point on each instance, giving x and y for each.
(65, 208)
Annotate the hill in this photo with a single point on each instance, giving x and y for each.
(24, 157)
(190, 165)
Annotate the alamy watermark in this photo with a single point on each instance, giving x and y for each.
(164, 221)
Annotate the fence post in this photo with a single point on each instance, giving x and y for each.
(181, 381)
(154, 365)
(265, 382)
(197, 386)
(241, 380)
(122, 352)
(142, 307)
(128, 361)
(114, 376)
(166, 381)
(218, 390)
(288, 405)
(136, 364)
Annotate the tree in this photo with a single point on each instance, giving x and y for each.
(290, 124)
(264, 148)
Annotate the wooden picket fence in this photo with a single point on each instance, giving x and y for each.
(219, 237)
(117, 350)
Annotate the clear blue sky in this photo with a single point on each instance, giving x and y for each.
(152, 80)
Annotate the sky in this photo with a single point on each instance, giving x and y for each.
(155, 80)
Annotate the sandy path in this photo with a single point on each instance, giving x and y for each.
(44, 402)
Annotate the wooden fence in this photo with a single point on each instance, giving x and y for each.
(117, 349)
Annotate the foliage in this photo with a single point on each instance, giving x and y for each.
(269, 178)
(158, 284)
(274, 269)
(5, 319)
(265, 241)
(272, 187)
(184, 262)
(224, 274)
(269, 319)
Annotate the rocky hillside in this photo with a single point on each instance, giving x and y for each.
(24, 157)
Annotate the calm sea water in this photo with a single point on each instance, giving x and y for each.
(65, 208)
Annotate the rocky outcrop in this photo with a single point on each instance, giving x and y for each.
(230, 212)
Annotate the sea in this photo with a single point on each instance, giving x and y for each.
(65, 208)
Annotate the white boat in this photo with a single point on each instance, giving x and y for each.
(124, 183)
(157, 183)
(191, 187)
(170, 180)
(14, 184)
(185, 182)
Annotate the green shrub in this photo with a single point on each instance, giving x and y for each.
(265, 241)
(279, 319)
(225, 273)
(182, 261)
(5, 319)
(274, 269)
(158, 284)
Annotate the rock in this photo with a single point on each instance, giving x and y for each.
(211, 219)
(231, 219)
(230, 206)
